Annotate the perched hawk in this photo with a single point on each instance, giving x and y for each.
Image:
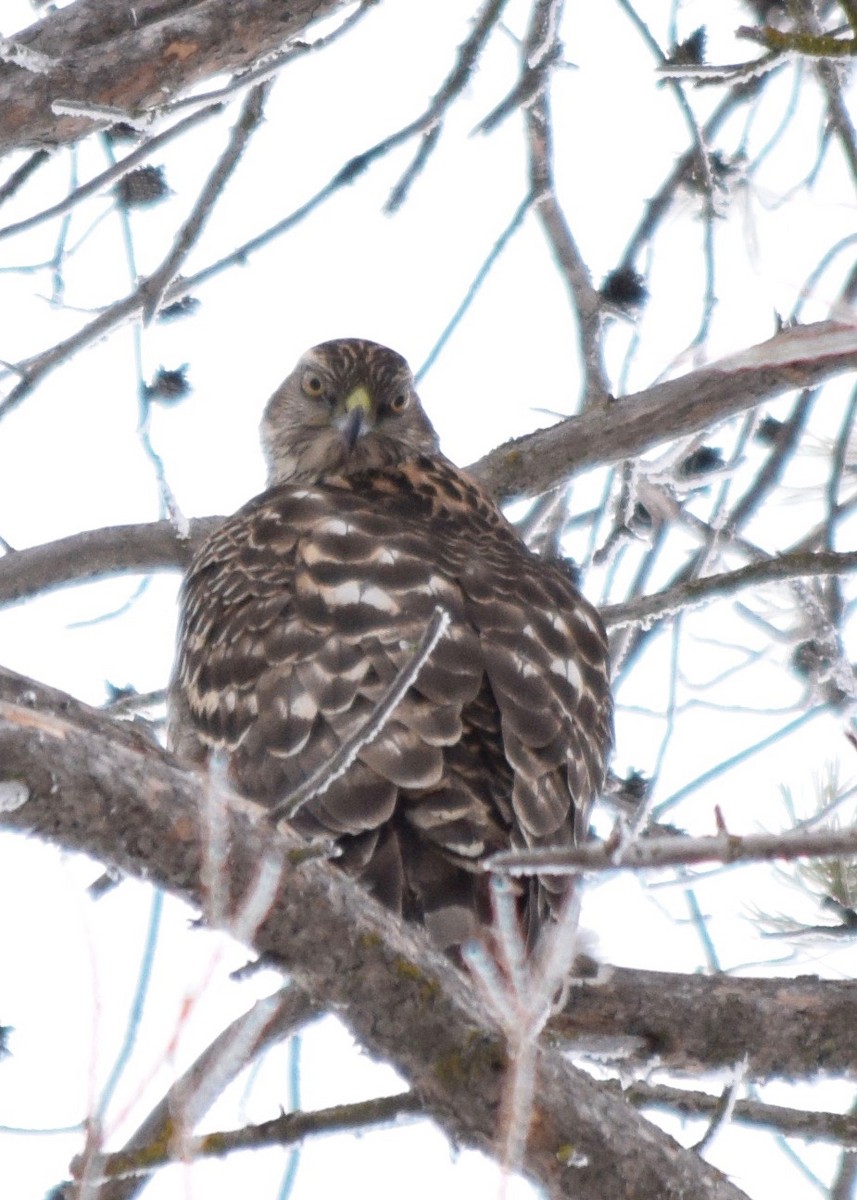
(299, 612)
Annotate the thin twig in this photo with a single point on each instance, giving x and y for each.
(813, 1126)
(152, 291)
(285, 1130)
(538, 55)
(321, 779)
(642, 854)
(113, 173)
(802, 564)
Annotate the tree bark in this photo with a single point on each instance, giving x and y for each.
(135, 57)
(76, 778)
(790, 1028)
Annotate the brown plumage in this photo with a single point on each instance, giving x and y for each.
(301, 609)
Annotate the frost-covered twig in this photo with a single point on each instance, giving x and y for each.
(521, 993)
(25, 57)
(154, 288)
(646, 853)
(645, 610)
(325, 775)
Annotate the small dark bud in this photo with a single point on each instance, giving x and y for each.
(691, 51)
(641, 518)
(703, 460)
(178, 308)
(624, 289)
(122, 132)
(768, 431)
(168, 386)
(571, 569)
(140, 188)
(721, 167)
(635, 784)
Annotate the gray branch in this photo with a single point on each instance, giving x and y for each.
(87, 783)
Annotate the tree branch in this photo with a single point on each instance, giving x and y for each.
(643, 854)
(268, 1021)
(795, 358)
(793, 1028)
(526, 465)
(794, 1122)
(798, 565)
(97, 553)
(74, 777)
(132, 57)
(288, 1129)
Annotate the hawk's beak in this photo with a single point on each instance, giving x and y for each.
(358, 413)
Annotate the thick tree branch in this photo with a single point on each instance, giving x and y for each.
(97, 553)
(527, 465)
(785, 1027)
(134, 57)
(72, 776)
(795, 358)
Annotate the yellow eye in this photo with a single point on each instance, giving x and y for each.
(312, 383)
(399, 402)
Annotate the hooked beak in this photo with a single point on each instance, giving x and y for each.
(358, 414)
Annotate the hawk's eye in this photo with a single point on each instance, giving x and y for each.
(399, 402)
(312, 384)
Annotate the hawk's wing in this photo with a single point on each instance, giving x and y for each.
(300, 611)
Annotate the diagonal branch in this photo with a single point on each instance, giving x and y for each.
(268, 1021)
(321, 779)
(155, 286)
(795, 358)
(76, 778)
(129, 57)
(801, 564)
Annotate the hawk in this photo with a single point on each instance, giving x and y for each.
(299, 612)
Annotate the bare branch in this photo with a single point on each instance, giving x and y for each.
(106, 57)
(267, 1022)
(798, 565)
(114, 173)
(95, 786)
(289, 1129)
(540, 52)
(795, 358)
(811, 1125)
(98, 553)
(153, 289)
(643, 854)
(713, 1021)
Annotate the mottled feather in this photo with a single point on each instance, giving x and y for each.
(299, 612)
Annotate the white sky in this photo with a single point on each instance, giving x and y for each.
(70, 459)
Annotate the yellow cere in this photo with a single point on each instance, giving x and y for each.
(359, 398)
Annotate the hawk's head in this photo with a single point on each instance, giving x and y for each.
(348, 406)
